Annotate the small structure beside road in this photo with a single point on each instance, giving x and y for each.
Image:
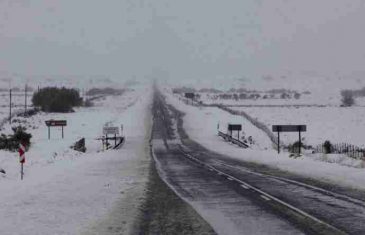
(229, 137)
(112, 134)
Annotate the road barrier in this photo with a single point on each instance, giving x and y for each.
(120, 144)
(232, 140)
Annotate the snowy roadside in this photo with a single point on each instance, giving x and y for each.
(65, 192)
(200, 124)
(336, 124)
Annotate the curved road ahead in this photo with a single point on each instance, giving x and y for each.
(237, 197)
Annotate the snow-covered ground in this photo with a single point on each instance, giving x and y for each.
(336, 124)
(313, 90)
(270, 98)
(201, 125)
(320, 111)
(18, 103)
(66, 192)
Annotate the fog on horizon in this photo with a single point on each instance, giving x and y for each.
(205, 39)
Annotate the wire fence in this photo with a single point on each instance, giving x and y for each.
(341, 148)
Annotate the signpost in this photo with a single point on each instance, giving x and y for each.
(55, 123)
(111, 130)
(235, 127)
(10, 106)
(21, 159)
(289, 128)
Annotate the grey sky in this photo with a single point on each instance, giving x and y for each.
(181, 39)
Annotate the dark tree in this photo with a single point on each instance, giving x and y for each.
(53, 99)
(327, 146)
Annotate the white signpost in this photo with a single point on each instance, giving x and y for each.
(111, 130)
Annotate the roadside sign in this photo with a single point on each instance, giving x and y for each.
(289, 128)
(111, 130)
(234, 127)
(56, 123)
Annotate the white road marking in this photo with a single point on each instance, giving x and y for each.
(244, 186)
(266, 198)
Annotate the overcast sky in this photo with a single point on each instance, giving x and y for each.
(181, 39)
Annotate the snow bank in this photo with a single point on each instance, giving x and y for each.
(337, 124)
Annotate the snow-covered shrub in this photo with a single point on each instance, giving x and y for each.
(284, 96)
(11, 142)
(347, 98)
(294, 148)
(296, 95)
(327, 145)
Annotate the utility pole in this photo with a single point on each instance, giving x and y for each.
(300, 142)
(278, 141)
(25, 101)
(10, 107)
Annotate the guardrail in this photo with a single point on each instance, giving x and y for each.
(232, 140)
(120, 144)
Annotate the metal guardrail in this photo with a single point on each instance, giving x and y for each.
(232, 140)
(121, 143)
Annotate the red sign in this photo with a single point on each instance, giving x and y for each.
(21, 153)
(56, 123)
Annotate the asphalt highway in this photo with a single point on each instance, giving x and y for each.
(237, 197)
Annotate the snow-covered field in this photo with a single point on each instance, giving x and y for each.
(201, 125)
(313, 90)
(18, 103)
(320, 110)
(336, 124)
(265, 99)
(66, 192)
